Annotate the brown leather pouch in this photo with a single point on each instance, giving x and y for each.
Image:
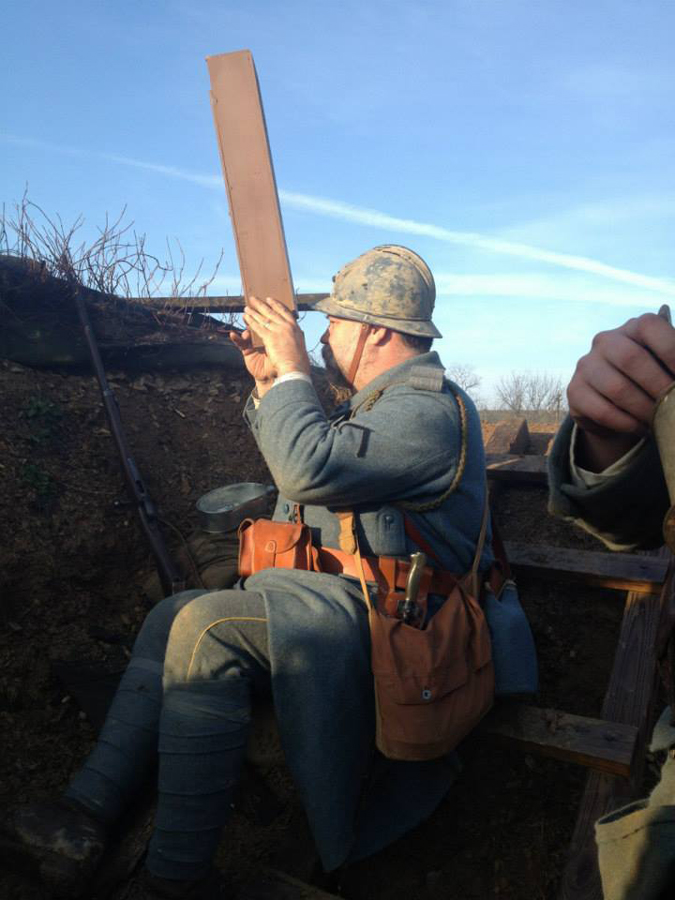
(435, 682)
(432, 685)
(264, 544)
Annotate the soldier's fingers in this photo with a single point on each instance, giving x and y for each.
(588, 406)
(625, 394)
(264, 307)
(657, 335)
(241, 338)
(272, 310)
(613, 384)
(627, 354)
(255, 319)
(257, 306)
(288, 315)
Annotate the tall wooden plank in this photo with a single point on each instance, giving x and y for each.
(629, 700)
(249, 177)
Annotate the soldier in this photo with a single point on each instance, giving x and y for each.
(406, 439)
(605, 475)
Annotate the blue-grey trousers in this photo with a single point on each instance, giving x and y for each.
(186, 696)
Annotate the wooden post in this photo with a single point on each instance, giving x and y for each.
(249, 177)
(629, 700)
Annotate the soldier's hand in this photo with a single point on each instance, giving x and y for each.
(280, 333)
(614, 388)
(255, 358)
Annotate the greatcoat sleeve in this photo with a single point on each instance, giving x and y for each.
(625, 511)
(408, 442)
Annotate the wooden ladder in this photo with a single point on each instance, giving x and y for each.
(614, 747)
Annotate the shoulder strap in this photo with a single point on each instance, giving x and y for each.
(415, 535)
(461, 463)
(347, 537)
(500, 552)
(473, 575)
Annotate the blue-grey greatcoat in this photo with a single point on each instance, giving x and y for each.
(398, 439)
(636, 844)
(626, 511)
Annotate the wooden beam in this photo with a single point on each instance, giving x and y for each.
(517, 469)
(629, 700)
(234, 304)
(621, 571)
(249, 177)
(594, 743)
(271, 884)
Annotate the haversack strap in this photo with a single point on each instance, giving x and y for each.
(347, 538)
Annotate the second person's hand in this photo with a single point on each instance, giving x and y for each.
(613, 391)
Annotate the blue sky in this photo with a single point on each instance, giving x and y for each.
(525, 148)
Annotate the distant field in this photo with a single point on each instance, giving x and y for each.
(533, 416)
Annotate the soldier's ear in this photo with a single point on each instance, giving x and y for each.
(380, 335)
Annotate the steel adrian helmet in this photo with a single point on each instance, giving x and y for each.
(388, 285)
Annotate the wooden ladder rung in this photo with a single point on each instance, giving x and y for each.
(272, 884)
(597, 744)
(621, 571)
(516, 469)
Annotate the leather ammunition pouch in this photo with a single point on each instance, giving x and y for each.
(264, 544)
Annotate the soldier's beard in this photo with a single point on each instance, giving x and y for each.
(340, 388)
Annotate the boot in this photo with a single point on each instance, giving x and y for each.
(60, 842)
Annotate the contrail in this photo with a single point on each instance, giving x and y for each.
(346, 212)
(210, 181)
(374, 218)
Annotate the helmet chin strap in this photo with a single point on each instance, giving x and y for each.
(358, 353)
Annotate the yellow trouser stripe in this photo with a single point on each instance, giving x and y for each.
(213, 625)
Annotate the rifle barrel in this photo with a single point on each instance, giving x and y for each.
(172, 580)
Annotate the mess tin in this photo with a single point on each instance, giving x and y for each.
(224, 508)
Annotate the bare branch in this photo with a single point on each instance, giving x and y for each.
(116, 263)
(465, 376)
(531, 391)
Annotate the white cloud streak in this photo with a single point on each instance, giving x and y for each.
(209, 181)
(376, 219)
(559, 288)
